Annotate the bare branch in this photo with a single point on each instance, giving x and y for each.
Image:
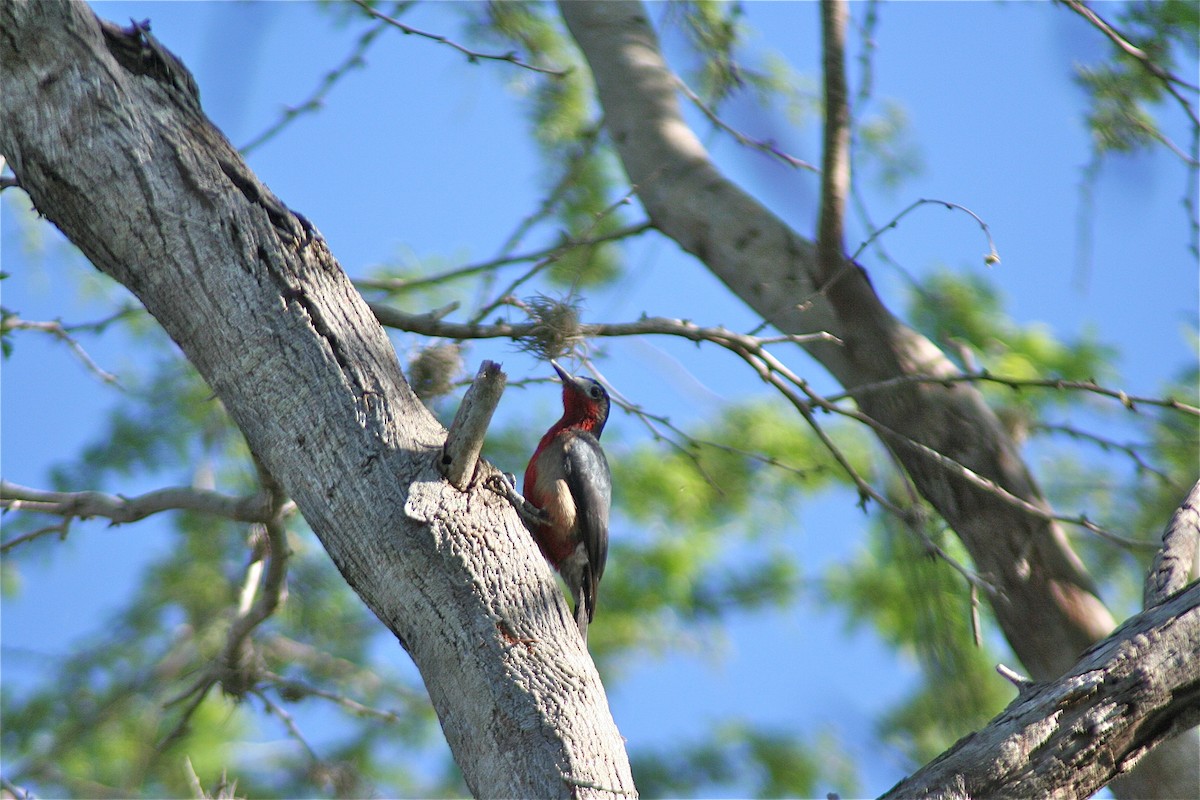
(472, 55)
(1106, 444)
(120, 510)
(992, 257)
(296, 688)
(234, 669)
(316, 100)
(427, 326)
(1169, 80)
(1130, 401)
(1178, 560)
(835, 167)
(62, 333)
(403, 284)
(289, 722)
(464, 441)
(551, 258)
(766, 146)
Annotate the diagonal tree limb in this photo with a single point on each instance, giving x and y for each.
(1047, 605)
(257, 303)
(1178, 560)
(1069, 738)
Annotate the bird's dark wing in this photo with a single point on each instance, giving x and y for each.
(590, 484)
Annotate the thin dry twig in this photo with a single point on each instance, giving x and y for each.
(404, 284)
(992, 257)
(1130, 401)
(296, 688)
(58, 330)
(316, 101)
(120, 510)
(764, 145)
(1169, 80)
(473, 56)
(1106, 444)
(551, 258)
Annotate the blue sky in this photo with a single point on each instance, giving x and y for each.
(422, 156)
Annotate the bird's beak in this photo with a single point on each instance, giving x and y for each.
(566, 377)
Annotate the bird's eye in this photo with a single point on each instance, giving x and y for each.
(596, 393)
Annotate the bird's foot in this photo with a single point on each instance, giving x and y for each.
(505, 486)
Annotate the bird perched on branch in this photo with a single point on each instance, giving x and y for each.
(568, 491)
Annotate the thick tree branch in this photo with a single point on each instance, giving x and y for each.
(1178, 560)
(254, 299)
(1069, 738)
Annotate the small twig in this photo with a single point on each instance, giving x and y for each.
(1169, 80)
(403, 284)
(290, 686)
(62, 529)
(1106, 444)
(762, 145)
(62, 333)
(552, 257)
(992, 257)
(472, 55)
(464, 441)
(1022, 683)
(1130, 401)
(289, 722)
(316, 100)
(970, 476)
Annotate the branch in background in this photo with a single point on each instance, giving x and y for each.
(753, 350)
(236, 669)
(120, 510)
(1130, 401)
(12, 322)
(992, 257)
(1169, 80)
(316, 100)
(765, 146)
(472, 55)
(428, 326)
(1069, 738)
(551, 258)
(1178, 560)
(835, 166)
(404, 284)
(1106, 444)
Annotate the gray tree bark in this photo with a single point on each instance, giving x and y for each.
(104, 131)
(1046, 605)
(1071, 737)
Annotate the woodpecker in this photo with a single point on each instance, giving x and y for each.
(569, 486)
